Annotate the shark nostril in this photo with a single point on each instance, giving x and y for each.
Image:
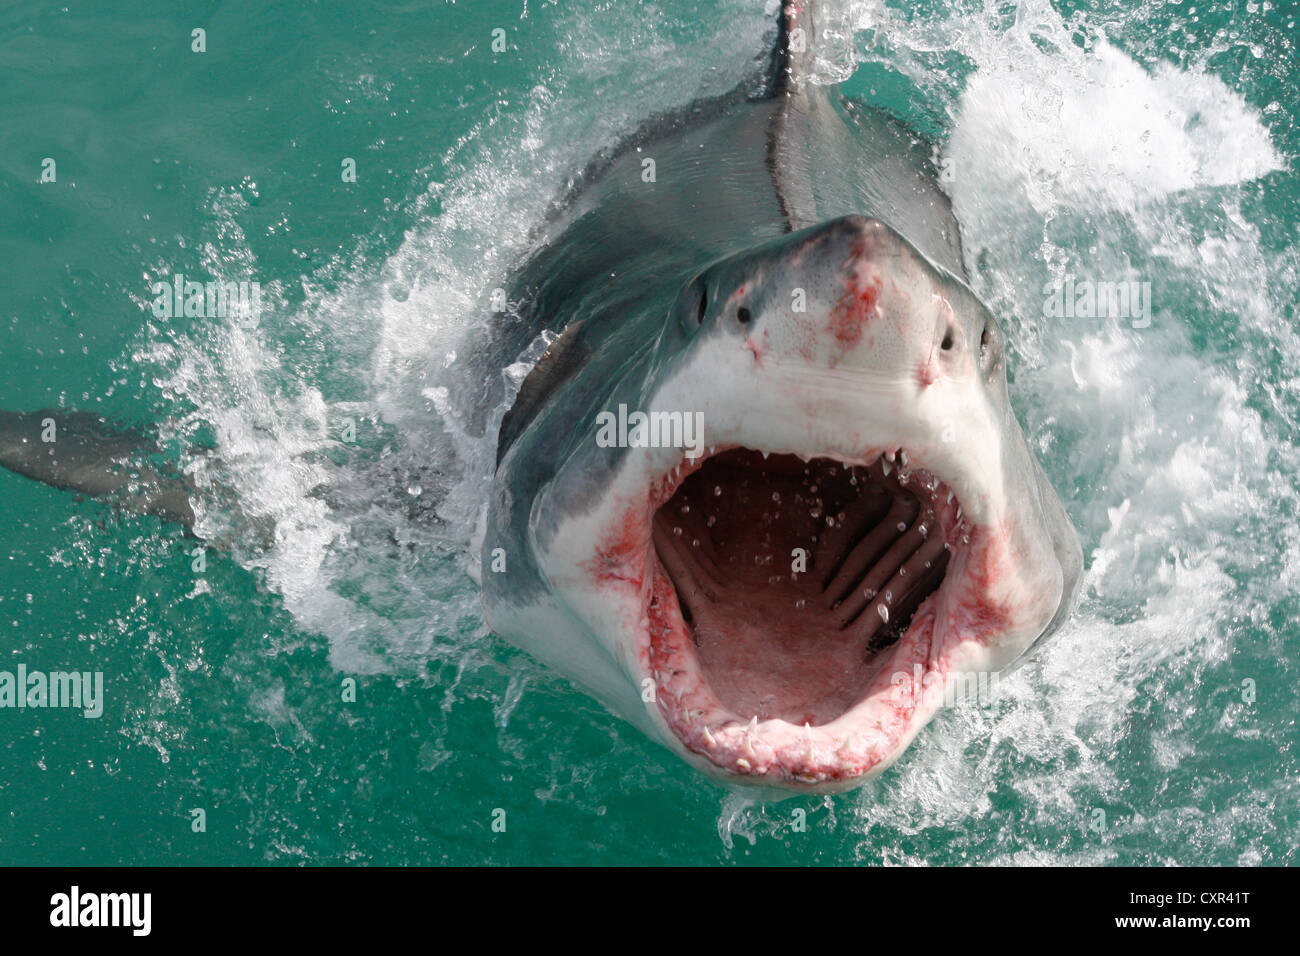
(743, 315)
(704, 305)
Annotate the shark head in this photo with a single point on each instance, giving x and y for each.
(805, 522)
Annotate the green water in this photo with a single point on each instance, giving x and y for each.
(1173, 446)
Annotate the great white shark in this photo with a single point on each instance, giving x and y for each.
(764, 495)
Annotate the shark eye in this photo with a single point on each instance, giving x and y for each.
(743, 315)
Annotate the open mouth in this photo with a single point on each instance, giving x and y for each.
(793, 607)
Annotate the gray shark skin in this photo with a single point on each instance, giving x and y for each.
(85, 453)
(786, 272)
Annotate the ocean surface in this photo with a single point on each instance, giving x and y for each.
(1106, 140)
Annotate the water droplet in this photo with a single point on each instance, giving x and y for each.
(713, 519)
(800, 604)
(776, 496)
(902, 526)
(883, 612)
(717, 491)
(695, 542)
(889, 597)
(415, 491)
(677, 532)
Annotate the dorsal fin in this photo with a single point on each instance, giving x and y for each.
(799, 100)
(792, 58)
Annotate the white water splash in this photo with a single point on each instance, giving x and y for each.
(369, 544)
(1073, 160)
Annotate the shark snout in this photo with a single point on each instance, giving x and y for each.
(850, 295)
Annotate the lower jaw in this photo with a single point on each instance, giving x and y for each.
(857, 744)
